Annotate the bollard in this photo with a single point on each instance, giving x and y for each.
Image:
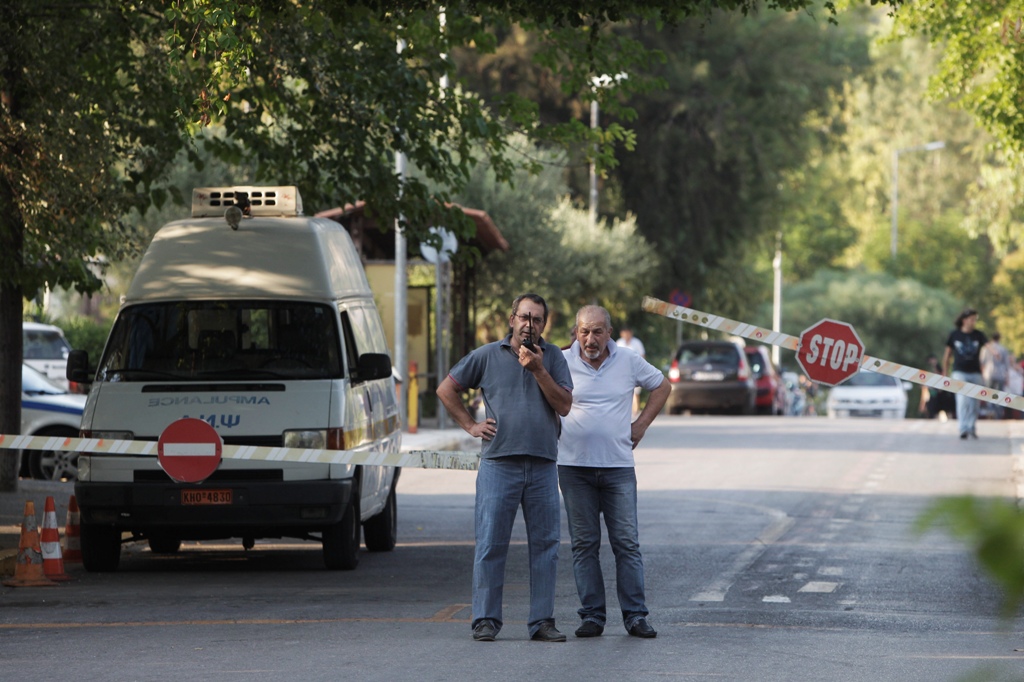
(414, 399)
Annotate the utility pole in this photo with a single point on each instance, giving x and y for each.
(930, 147)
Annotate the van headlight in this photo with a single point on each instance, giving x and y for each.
(312, 439)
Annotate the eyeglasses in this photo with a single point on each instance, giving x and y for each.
(526, 319)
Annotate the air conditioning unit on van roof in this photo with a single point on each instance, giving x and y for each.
(210, 202)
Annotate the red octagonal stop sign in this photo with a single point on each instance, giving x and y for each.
(830, 352)
(189, 450)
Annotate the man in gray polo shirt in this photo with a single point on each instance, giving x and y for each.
(526, 387)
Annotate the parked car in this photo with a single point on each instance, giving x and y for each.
(45, 349)
(48, 410)
(869, 394)
(771, 391)
(711, 376)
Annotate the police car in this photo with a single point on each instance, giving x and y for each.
(48, 410)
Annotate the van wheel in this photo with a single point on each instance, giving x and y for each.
(341, 541)
(164, 544)
(101, 548)
(380, 532)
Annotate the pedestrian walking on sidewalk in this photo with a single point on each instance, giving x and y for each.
(963, 348)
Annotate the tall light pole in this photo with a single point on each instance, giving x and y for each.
(930, 147)
(602, 81)
(777, 295)
(401, 289)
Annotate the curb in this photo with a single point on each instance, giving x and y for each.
(1017, 452)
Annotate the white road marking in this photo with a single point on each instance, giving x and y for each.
(716, 589)
(819, 586)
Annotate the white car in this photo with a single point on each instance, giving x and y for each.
(45, 349)
(48, 410)
(869, 394)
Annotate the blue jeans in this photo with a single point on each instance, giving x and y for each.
(966, 407)
(502, 485)
(589, 492)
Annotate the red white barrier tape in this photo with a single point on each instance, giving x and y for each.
(422, 459)
(754, 333)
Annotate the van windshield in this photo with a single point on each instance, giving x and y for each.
(223, 340)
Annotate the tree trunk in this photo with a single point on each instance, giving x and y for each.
(12, 241)
(10, 374)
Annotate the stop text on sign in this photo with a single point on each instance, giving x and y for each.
(830, 352)
(835, 352)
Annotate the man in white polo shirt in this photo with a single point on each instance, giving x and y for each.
(596, 468)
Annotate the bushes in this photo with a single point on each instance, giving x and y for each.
(85, 333)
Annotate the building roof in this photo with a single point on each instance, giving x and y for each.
(371, 240)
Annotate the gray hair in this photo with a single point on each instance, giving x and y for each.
(595, 309)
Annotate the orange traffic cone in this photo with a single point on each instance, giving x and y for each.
(49, 543)
(73, 534)
(28, 569)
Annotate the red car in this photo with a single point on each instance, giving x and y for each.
(771, 390)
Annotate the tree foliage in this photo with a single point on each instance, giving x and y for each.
(715, 146)
(555, 252)
(899, 320)
(1009, 305)
(982, 67)
(84, 131)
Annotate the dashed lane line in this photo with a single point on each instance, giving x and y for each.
(715, 591)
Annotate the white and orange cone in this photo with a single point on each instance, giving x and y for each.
(49, 544)
(73, 534)
(28, 569)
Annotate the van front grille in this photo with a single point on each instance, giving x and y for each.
(219, 475)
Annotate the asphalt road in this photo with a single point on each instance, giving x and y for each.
(776, 549)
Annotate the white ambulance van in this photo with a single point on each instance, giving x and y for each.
(261, 322)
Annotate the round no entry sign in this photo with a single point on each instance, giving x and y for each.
(189, 450)
(830, 352)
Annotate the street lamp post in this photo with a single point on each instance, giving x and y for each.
(930, 147)
(777, 295)
(602, 81)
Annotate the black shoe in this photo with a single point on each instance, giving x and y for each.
(589, 629)
(963, 436)
(485, 631)
(548, 633)
(641, 628)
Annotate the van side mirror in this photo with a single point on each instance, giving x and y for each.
(373, 366)
(78, 367)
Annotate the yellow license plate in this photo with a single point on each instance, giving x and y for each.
(191, 497)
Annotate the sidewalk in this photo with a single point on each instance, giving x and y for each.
(12, 505)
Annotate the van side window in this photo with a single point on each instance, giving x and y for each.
(368, 330)
(351, 348)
